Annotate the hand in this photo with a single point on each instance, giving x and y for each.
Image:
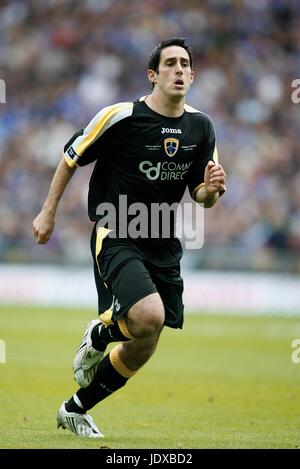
(43, 226)
(214, 178)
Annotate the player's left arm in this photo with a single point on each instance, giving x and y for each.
(213, 186)
(207, 177)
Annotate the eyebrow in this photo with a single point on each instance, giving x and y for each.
(186, 59)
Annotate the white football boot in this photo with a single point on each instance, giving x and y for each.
(87, 358)
(80, 424)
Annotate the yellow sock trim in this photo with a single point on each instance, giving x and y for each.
(117, 363)
(123, 328)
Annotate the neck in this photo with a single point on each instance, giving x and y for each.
(164, 105)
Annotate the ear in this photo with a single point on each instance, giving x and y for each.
(192, 76)
(152, 76)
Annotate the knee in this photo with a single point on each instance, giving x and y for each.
(138, 352)
(147, 317)
(152, 322)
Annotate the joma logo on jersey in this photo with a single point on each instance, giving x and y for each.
(165, 130)
(171, 146)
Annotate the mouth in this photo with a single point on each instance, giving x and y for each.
(179, 82)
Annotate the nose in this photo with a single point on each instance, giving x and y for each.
(178, 68)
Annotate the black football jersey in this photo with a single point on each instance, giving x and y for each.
(141, 155)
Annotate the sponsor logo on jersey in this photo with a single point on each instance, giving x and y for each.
(171, 146)
(165, 130)
(165, 171)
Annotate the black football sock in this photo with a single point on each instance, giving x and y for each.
(111, 375)
(74, 405)
(103, 335)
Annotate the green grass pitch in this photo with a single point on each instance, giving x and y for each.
(222, 382)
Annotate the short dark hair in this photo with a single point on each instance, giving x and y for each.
(174, 41)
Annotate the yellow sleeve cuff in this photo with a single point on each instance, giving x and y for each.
(69, 161)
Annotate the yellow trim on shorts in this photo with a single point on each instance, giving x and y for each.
(106, 317)
(101, 234)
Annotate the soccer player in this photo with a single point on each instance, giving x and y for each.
(148, 151)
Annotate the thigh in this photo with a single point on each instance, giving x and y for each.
(129, 281)
(169, 285)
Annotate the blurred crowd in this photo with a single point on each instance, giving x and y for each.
(63, 60)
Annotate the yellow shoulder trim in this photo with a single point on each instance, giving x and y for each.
(216, 155)
(188, 108)
(101, 122)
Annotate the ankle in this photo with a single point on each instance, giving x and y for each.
(97, 342)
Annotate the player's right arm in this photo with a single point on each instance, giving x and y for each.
(43, 224)
(80, 150)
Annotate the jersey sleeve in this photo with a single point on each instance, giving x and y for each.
(85, 146)
(208, 152)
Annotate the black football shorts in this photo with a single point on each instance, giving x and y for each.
(128, 270)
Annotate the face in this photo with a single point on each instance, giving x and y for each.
(175, 75)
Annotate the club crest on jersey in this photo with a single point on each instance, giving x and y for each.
(171, 146)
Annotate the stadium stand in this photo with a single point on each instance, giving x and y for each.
(64, 60)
